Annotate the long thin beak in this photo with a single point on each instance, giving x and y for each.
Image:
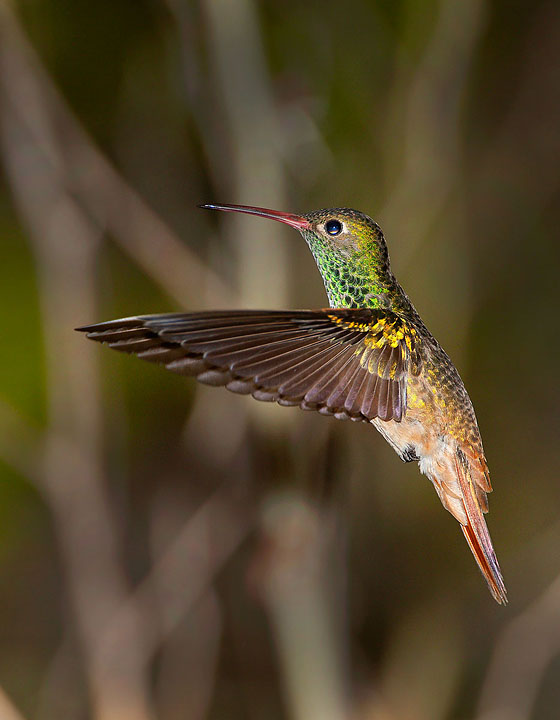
(296, 221)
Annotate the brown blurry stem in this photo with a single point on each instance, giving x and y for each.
(431, 102)
(72, 478)
(188, 665)
(295, 573)
(255, 141)
(68, 194)
(183, 572)
(65, 242)
(522, 654)
(8, 710)
(111, 204)
(247, 165)
(527, 645)
(21, 445)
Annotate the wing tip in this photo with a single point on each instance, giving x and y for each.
(122, 323)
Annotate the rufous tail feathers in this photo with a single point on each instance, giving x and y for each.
(476, 531)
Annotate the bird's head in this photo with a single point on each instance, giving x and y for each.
(347, 245)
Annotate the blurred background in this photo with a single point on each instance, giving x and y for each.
(171, 551)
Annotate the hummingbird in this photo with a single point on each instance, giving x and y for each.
(368, 357)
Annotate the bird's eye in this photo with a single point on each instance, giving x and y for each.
(333, 227)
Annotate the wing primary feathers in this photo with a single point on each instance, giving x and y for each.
(327, 360)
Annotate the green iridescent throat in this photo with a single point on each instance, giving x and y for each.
(357, 280)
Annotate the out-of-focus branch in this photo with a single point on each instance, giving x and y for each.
(109, 201)
(67, 193)
(531, 641)
(184, 571)
(522, 654)
(514, 156)
(432, 100)
(255, 147)
(427, 664)
(21, 446)
(295, 573)
(65, 242)
(8, 710)
(182, 574)
(188, 665)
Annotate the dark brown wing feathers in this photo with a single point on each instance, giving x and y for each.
(348, 363)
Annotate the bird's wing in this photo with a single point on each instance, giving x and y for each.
(344, 362)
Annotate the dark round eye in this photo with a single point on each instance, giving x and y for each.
(333, 227)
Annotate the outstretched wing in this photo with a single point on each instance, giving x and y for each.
(350, 363)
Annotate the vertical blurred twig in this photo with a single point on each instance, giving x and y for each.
(7, 709)
(296, 574)
(182, 573)
(432, 123)
(255, 141)
(94, 184)
(52, 181)
(523, 652)
(65, 242)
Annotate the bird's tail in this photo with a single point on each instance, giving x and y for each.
(475, 529)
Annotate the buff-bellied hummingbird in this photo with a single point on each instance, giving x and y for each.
(369, 357)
